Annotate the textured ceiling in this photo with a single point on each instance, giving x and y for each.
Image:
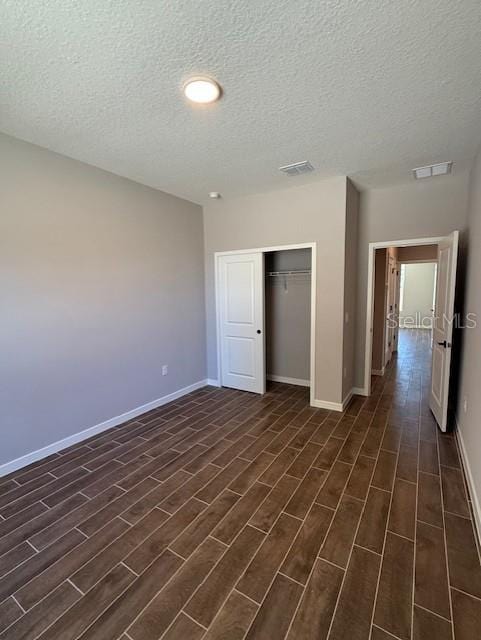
(367, 88)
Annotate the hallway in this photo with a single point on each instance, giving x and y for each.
(230, 516)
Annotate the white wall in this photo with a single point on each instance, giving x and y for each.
(417, 299)
(102, 283)
(469, 421)
(418, 209)
(314, 212)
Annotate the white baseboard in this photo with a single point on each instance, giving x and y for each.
(378, 372)
(326, 404)
(339, 406)
(34, 456)
(470, 481)
(359, 391)
(213, 382)
(297, 381)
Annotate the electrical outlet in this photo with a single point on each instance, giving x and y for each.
(465, 404)
(165, 369)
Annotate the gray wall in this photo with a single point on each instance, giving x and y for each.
(470, 365)
(350, 286)
(288, 315)
(418, 209)
(101, 283)
(314, 212)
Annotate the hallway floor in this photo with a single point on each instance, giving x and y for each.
(225, 515)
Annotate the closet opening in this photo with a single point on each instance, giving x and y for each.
(266, 317)
(288, 316)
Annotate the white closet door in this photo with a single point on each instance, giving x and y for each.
(241, 309)
(443, 328)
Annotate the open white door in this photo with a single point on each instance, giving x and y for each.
(443, 328)
(241, 321)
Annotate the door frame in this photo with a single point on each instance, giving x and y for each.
(370, 296)
(287, 247)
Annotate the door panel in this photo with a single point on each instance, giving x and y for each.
(241, 308)
(443, 328)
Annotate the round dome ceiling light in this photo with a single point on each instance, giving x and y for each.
(202, 90)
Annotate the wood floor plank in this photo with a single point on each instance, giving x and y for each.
(123, 611)
(334, 484)
(204, 524)
(92, 570)
(360, 478)
(402, 518)
(374, 520)
(275, 615)
(259, 574)
(466, 615)
(314, 615)
(233, 620)
(431, 576)
(35, 621)
(302, 555)
(278, 466)
(209, 597)
(115, 507)
(190, 488)
(163, 609)
(429, 500)
(464, 565)
(304, 460)
(428, 625)
(305, 494)
(143, 555)
(454, 493)
(25, 572)
(79, 617)
(59, 571)
(152, 499)
(328, 453)
(269, 510)
(338, 543)
(213, 488)
(428, 457)
(246, 478)
(241, 513)
(384, 471)
(352, 618)
(394, 603)
(182, 628)
(9, 612)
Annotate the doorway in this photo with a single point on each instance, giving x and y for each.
(266, 314)
(404, 279)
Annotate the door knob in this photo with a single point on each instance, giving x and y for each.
(443, 344)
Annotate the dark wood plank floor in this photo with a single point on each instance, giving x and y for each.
(226, 516)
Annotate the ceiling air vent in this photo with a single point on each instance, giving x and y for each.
(297, 168)
(440, 169)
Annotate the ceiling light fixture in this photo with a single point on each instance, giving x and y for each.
(440, 169)
(202, 90)
(215, 195)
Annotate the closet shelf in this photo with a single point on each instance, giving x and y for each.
(295, 272)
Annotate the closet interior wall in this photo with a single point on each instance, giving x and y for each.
(288, 315)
